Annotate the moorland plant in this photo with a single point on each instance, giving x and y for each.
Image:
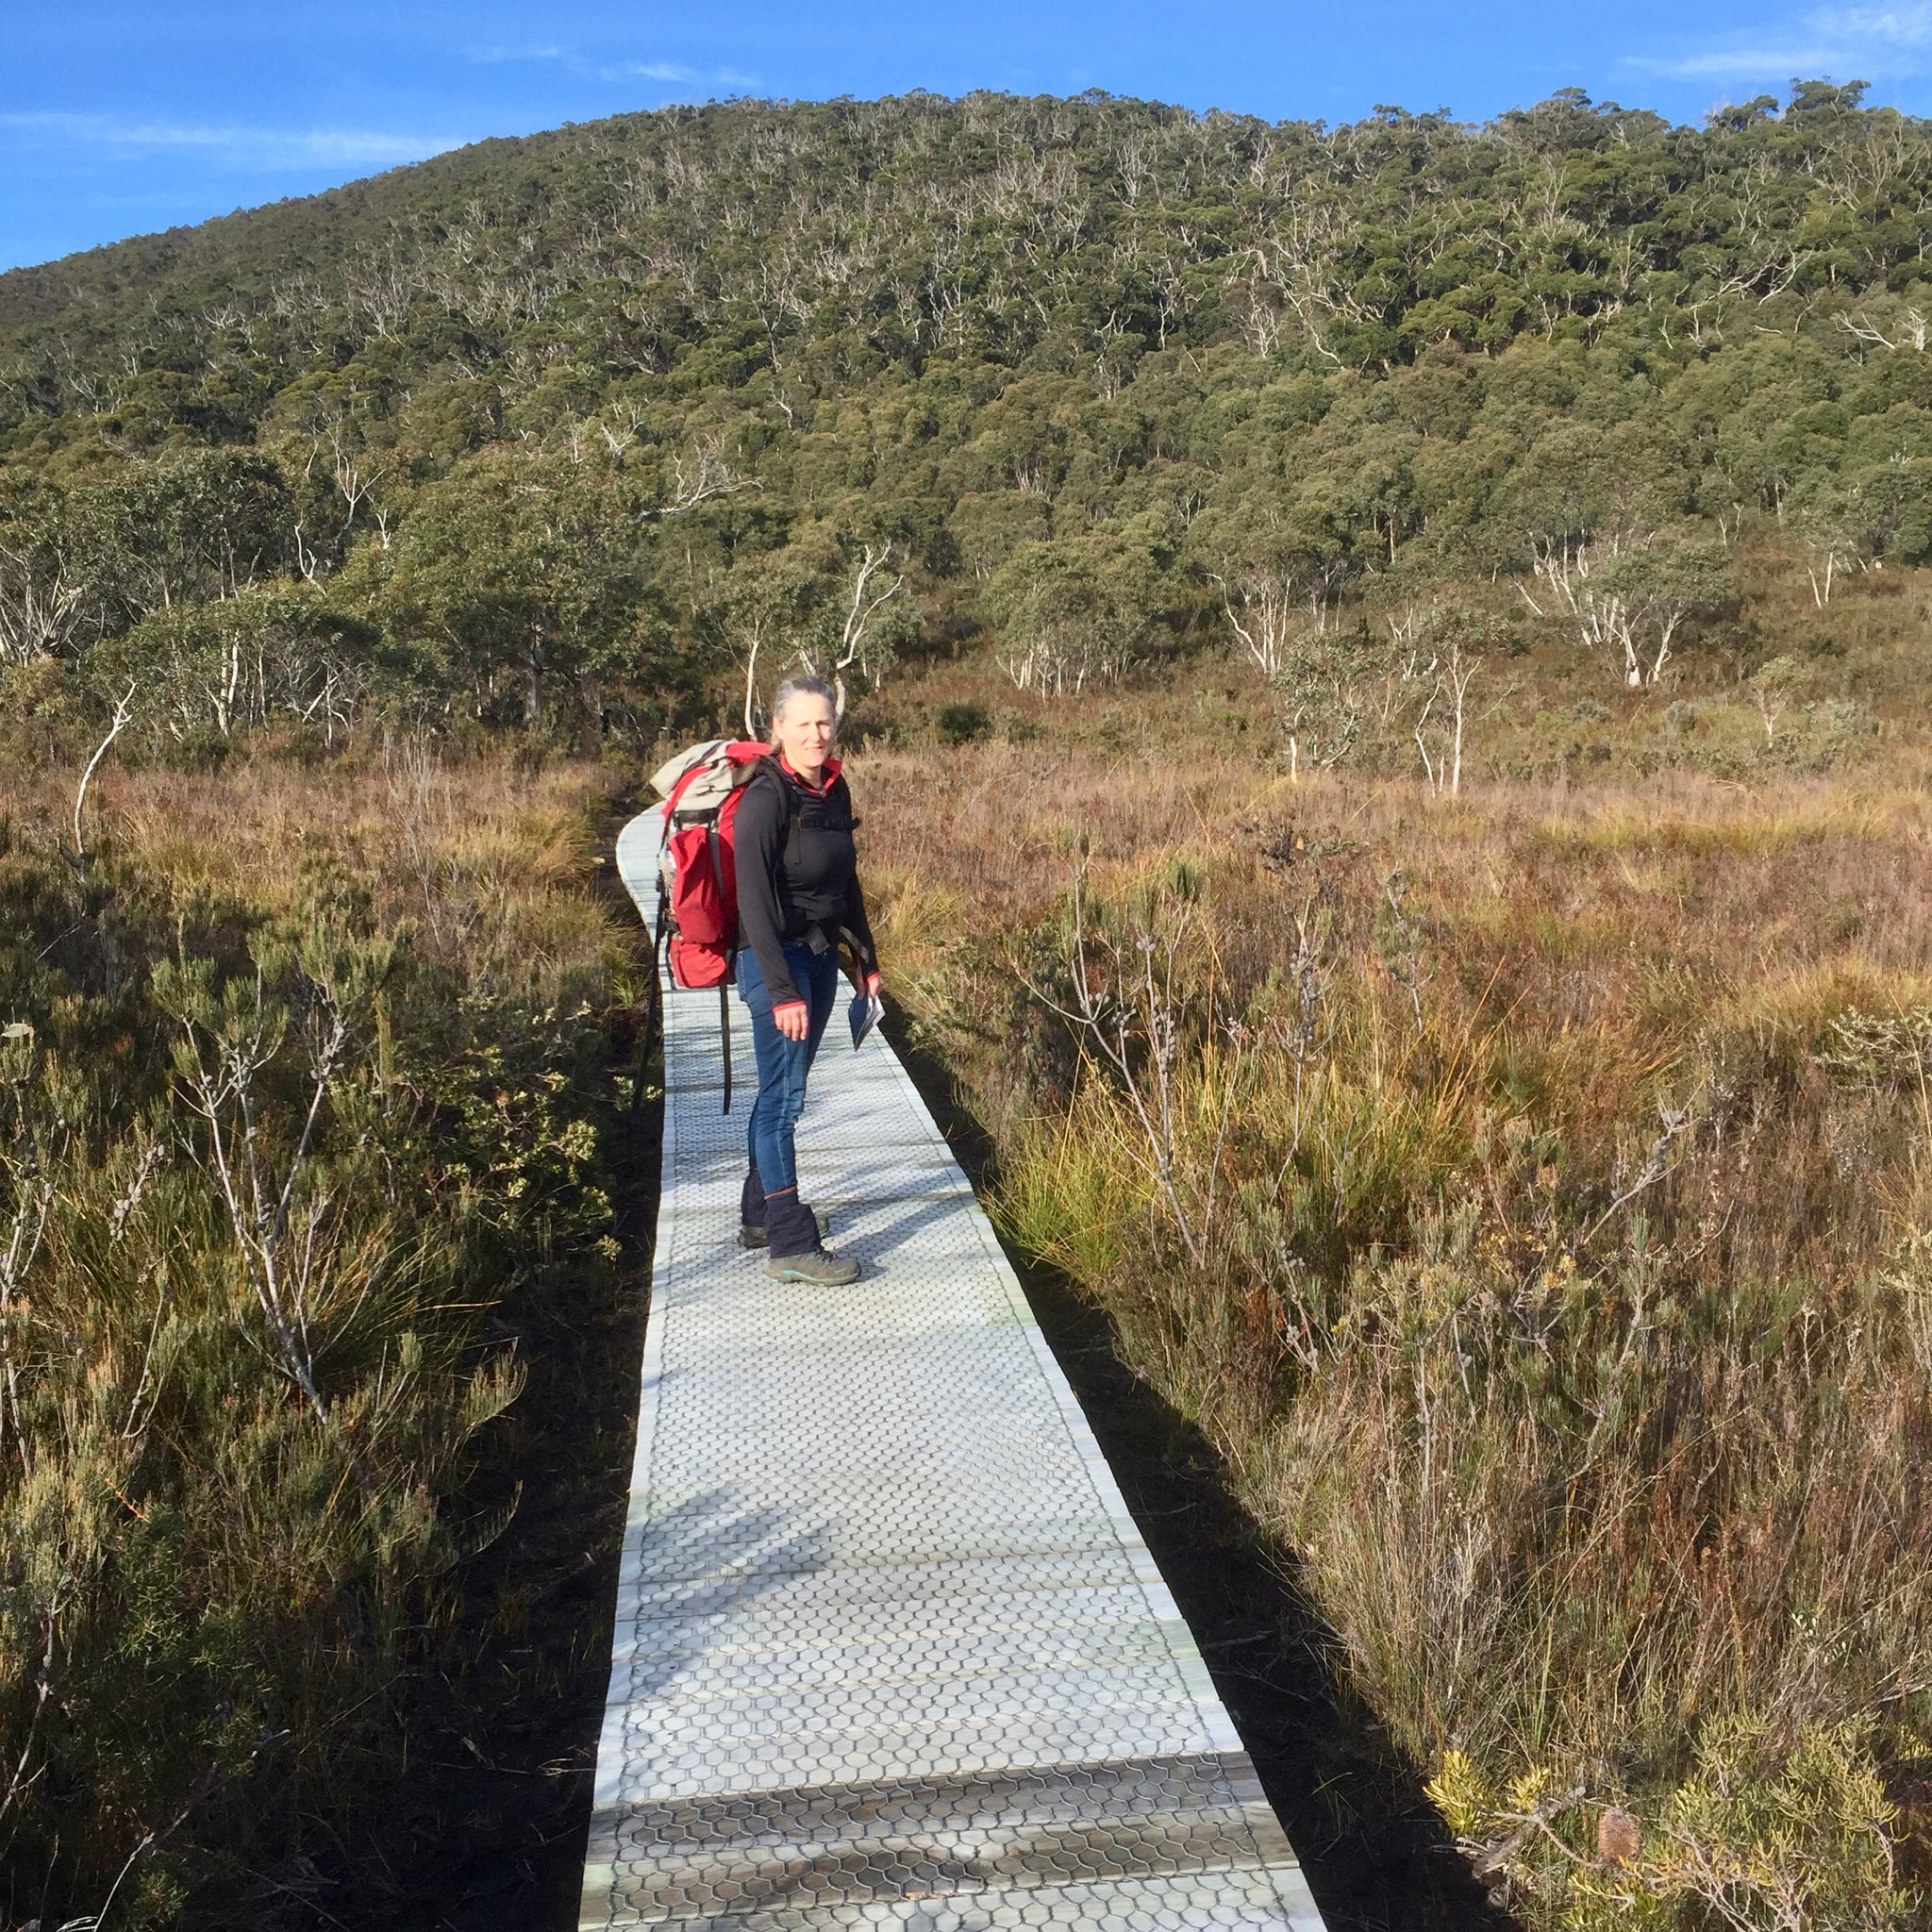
(1433, 621)
(305, 1154)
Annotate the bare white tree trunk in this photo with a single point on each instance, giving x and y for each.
(750, 674)
(1264, 621)
(123, 710)
(1668, 621)
(866, 605)
(35, 621)
(1422, 744)
(708, 475)
(1460, 676)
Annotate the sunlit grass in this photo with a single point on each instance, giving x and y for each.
(1573, 1334)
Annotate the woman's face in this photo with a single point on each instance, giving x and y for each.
(805, 730)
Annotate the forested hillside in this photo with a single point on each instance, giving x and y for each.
(560, 427)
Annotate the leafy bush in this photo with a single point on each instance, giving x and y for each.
(264, 1167)
(962, 723)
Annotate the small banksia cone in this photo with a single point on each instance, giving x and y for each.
(1619, 1837)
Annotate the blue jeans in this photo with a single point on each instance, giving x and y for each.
(783, 1065)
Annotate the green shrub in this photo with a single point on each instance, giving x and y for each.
(264, 1170)
(965, 724)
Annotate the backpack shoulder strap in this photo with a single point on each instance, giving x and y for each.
(766, 771)
(790, 791)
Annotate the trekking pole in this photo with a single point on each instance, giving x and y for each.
(654, 1010)
(725, 1041)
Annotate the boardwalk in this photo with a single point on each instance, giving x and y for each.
(889, 1650)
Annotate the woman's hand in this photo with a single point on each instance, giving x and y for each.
(792, 1019)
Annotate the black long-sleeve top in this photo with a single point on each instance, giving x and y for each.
(797, 868)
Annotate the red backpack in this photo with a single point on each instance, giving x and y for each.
(697, 871)
(702, 789)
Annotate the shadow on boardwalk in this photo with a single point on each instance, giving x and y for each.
(1373, 1848)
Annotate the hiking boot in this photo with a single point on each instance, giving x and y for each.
(751, 1211)
(796, 1255)
(819, 1268)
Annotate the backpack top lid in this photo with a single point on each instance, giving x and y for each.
(707, 772)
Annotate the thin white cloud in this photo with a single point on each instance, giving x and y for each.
(489, 57)
(1902, 26)
(1871, 43)
(678, 75)
(652, 70)
(121, 137)
(1741, 63)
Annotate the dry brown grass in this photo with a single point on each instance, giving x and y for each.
(485, 864)
(1574, 1338)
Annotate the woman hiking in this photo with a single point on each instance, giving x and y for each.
(797, 898)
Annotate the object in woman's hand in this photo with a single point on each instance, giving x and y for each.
(866, 1011)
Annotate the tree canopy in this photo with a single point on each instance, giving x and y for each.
(545, 415)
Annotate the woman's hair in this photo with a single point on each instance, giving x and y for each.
(802, 688)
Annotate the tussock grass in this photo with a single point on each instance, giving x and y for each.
(1535, 1212)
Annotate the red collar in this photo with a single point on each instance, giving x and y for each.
(828, 772)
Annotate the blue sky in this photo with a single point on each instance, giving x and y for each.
(119, 119)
